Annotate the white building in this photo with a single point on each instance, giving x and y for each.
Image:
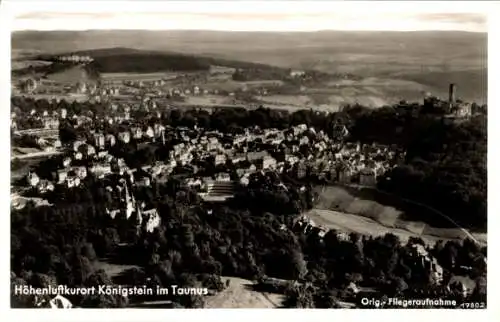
(33, 179)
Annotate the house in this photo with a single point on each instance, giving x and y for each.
(64, 113)
(223, 177)
(45, 186)
(268, 162)
(33, 179)
(297, 73)
(136, 132)
(213, 144)
(101, 169)
(101, 155)
(61, 175)
(110, 139)
(51, 123)
(80, 172)
(291, 159)
(428, 262)
(191, 182)
(99, 140)
(245, 179)
(72, 181)
(57, 144)
(150, 133)
(220, 159)
(462, 109)
(124, 136)
(66, 162)
(77, 144)
(304, 140)
(151, 219)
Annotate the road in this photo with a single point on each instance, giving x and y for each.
(35, 155)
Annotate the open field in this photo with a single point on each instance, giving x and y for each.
(70, 76)
(208, 100)
(20, 64)
(341, 209)
(240, 295)
(22, 53)
(112, 270)
(363, 225)
(227, 84)
(221, 69)
(70, 97)
(299, 100)
(140, 76)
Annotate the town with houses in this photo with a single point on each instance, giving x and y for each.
(296, 151)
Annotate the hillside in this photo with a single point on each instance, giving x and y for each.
(122, 59)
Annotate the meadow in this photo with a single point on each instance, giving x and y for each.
(369, 213)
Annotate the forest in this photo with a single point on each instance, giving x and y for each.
(198, 242)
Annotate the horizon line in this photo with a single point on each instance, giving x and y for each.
(255, 31)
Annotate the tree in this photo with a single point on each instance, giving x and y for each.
(299, 265)
(81, 269)
(88, 251)
(18, 300)
(326, 300)
(97, 278)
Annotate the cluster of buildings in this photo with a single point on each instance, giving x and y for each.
(75, 59)
(218, 161)
(45, 119)
(211, 162)
(48, 120)
(425, 260)
(454, 107)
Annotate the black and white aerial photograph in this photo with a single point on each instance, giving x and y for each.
(305, 155)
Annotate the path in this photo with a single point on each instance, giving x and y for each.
(240, 295)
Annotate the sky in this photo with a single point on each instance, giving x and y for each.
(249, 16)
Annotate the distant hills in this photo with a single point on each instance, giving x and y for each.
(123, 60)
(430, 59)
(290, 50)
